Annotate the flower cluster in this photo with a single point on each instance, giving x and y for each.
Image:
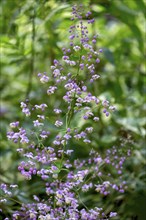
(6, 191)
(67, 179)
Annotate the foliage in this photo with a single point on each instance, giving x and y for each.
(32, 35)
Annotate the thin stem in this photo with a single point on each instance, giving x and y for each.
(61, 164)
(13, 200)
(71, 110)
(82, 201)
(32, 55)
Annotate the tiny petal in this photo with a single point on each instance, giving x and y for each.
(58, 123)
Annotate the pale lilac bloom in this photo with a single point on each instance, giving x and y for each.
(105, 103)
(94, 77)
(41, 117)
(42, 106)
(87, 141)
(113, 108)
(67, 136)
(26, 111)
(23, 105)
(44, 79)
(96, 118)
(57, 111)
(72, 63)
(58, 123)
(62, 78)
(37, 123)
(76, 48)
(56, 73)
(14, 124)
(112, 214)
(89, 129)
(51, 90)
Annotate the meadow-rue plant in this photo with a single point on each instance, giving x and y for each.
(49, 151)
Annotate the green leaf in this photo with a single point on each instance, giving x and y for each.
(109, 55)
(128, 16)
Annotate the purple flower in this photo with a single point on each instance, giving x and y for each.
(44, 79)
(37, 123)
(87, 141)
(89, 129)
(72, 37)
(82, 66)
(51, 90)
(105, 103)
(56, 73)
(41, 117)
(56, 62)
(94, 77)
(97, 60)
(72, 63)
(67, 136)
(107, 114)
(65, 57)
(57, 111)
(96, 118)
(94, 41)
(112, 214)
(42, 106)
(76, 48)
(14, 124)
(58, 123)
(66, 176)
(83, 57)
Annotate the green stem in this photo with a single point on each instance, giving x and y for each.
(13, 200)
(70, 112)
(61, 163)
(39, 142)
(32, 55)
(82, 201)
(72, 105)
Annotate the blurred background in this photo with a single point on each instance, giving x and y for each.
(33, 33)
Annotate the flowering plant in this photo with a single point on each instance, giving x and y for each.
(49, 147)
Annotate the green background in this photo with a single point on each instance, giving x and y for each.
(33, 33)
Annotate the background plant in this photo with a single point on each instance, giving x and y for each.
(121, 32)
